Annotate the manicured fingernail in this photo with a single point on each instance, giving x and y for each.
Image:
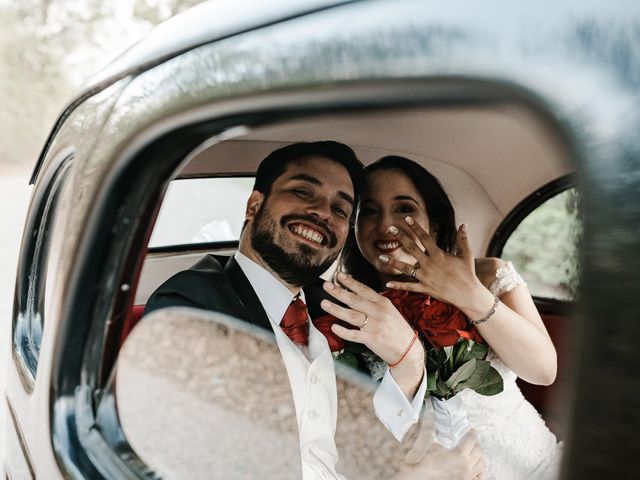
(325, 303)
(464, 227)
(342, 276)
(409, 220)
(383, 258)
(390, 285)
(393, 230)
(329, 285)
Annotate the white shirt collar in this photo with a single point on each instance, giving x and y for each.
(274, 296)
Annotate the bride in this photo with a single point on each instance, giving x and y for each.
(405, 239)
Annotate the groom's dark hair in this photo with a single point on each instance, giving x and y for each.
(275, 164)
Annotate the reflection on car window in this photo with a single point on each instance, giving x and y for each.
(202, 210)
(30, 289)
(222, 402)
(544, 247)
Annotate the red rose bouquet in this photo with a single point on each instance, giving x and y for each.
(455, 357)
(456, 353)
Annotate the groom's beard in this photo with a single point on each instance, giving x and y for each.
(294, 268)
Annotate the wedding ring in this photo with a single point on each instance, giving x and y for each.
(414, 270)
(364, 322)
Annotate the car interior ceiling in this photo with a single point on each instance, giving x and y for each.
(477, 141)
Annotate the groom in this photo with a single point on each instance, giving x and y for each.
(296, 222)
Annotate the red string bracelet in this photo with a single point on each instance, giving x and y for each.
(413, 340)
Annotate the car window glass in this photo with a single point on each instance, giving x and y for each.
(544, 247)
(35, 259)
(201, 210)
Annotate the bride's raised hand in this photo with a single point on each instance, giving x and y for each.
(450, 278)
(520, 339)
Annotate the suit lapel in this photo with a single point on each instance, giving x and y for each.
(246, 294)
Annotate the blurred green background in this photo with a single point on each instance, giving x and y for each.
(545, 247)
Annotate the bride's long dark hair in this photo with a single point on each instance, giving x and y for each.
(442, 220)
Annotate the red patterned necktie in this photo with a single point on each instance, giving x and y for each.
(295, 324)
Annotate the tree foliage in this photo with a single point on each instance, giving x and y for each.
(32, 86)
(48, 48)
(545, 246)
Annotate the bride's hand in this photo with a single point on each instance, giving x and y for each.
(448, 277)
(381, 328)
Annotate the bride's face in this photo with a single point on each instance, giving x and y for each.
(388, 197)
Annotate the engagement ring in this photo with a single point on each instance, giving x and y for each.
(414, 270)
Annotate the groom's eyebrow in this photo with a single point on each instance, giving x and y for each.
(306, 178)
(314, 181)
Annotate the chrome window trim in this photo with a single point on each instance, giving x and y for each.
(33, 257)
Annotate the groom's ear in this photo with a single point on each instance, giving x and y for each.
(253, 204)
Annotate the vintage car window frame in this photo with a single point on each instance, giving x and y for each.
(515, 217)
(82, 373)
(28, 313)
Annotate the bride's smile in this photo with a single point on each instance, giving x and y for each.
(388, 198)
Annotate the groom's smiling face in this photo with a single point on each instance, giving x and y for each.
(298, 230)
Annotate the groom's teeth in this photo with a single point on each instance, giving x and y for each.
(308, 233)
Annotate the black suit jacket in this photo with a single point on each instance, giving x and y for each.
(217, 283)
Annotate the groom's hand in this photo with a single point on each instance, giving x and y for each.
(380, 327)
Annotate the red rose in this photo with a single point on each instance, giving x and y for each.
(441, 323)
(444, 324)
(324, 325)
(408, 303)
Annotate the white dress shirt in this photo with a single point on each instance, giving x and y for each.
(313, 382)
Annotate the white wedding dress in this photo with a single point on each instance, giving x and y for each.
(514, 439)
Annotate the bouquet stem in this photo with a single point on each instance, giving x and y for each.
(451, 421)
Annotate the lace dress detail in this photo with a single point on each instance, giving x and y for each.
(506, 280)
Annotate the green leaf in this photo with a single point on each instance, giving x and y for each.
(432, 377)
(479, 351)
(477, 378)
(435, 358)
(462, 353)
(442, 391)
(448, 351)
(485, 380)
(347, 358)
(493, 383)
(462, 374)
